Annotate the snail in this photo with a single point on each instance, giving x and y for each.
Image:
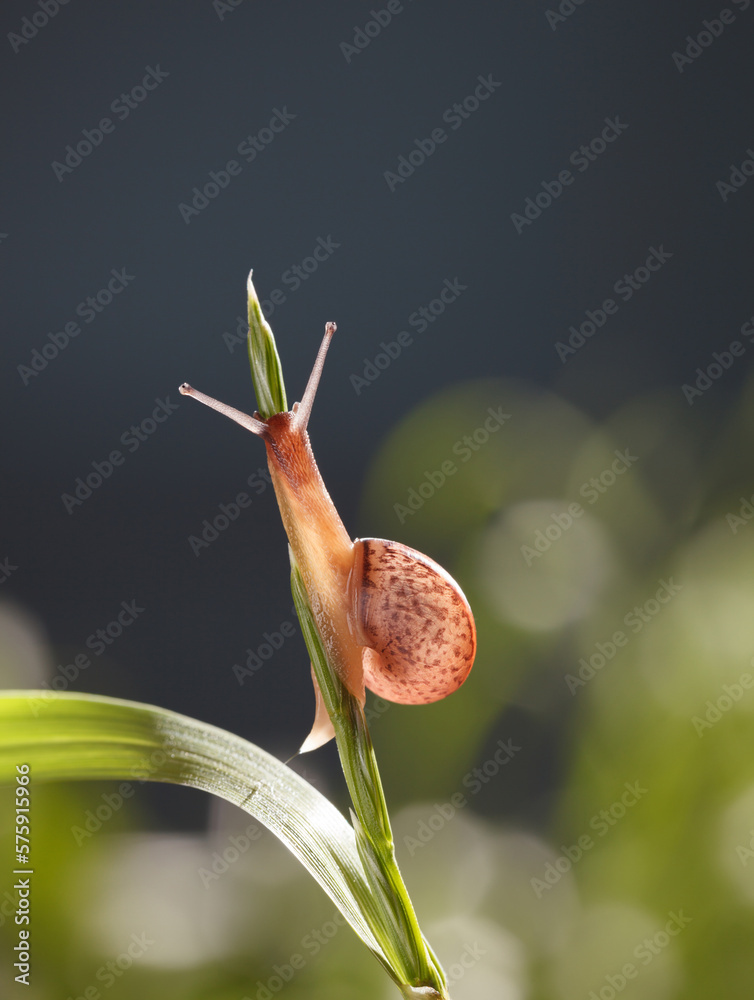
(390, 618)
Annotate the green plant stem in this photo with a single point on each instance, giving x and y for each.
(410, 960)
(395, 924)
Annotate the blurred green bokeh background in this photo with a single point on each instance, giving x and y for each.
(611, 569)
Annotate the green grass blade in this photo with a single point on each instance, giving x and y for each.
(266, 373)
(78, 736)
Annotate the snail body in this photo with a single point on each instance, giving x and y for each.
(390, 618)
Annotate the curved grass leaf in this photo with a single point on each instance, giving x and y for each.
(75, 736)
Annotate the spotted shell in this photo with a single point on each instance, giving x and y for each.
(413, 620)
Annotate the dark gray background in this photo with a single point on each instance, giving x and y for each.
(321, 177)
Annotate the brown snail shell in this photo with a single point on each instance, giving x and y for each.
(414, 621)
